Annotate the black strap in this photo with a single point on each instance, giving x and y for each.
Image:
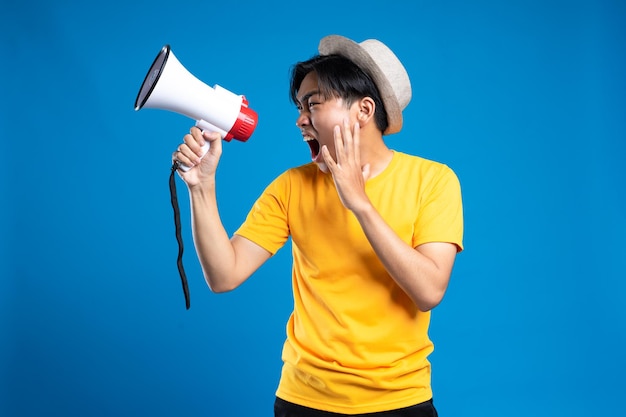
(179, 237)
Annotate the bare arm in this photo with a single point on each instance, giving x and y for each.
(226, 263)
(422, 272)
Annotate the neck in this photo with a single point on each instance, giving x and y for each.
(375, 152)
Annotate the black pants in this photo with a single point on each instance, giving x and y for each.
(284, 408)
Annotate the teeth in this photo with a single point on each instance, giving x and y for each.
(307, 138)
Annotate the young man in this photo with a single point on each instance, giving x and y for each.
(374, 233)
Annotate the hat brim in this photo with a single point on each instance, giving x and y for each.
(340, 45)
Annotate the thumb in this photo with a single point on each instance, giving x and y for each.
(214, 140)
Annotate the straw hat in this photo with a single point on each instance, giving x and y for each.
(383, 66)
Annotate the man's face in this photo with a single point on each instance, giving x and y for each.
(318, 117)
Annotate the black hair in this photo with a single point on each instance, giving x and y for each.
(339, 77)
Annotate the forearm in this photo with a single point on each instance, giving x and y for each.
(213, 246)
(417, 274)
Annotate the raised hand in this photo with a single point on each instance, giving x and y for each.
(348, 173)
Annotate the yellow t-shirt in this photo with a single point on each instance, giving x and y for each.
(356, 343)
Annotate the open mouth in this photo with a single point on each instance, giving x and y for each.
(314, 146)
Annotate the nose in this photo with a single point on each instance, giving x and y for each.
(302, 120)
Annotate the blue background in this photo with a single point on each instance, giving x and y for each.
(525, 100)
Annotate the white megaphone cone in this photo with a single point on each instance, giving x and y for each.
(169, 86)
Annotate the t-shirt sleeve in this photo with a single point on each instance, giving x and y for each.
(440, 218)
(266, 223)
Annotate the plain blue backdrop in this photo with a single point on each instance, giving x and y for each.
(525, 100)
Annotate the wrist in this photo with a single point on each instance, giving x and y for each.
(202, 188)
(363, 210)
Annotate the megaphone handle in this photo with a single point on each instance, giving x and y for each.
(205, 149)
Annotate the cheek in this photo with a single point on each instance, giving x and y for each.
(322, 125)
(325, 122)
(326, 133)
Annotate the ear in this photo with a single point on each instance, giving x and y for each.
(366, 110)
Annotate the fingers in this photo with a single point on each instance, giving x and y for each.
(194, 140)
(339, 144)
(347, 144)
(347, 148)
(195, 145)
(189, 153)
(328, 159)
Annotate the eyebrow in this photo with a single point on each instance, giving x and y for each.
(308, 96)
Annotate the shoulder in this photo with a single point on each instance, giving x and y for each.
(304, 174)
(423, 168)
(294, 178)
(308, 170)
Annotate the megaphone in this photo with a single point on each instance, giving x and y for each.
(169, 86)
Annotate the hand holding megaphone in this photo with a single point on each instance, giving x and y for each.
(191, 152)
(169, 86)
(192, 143)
